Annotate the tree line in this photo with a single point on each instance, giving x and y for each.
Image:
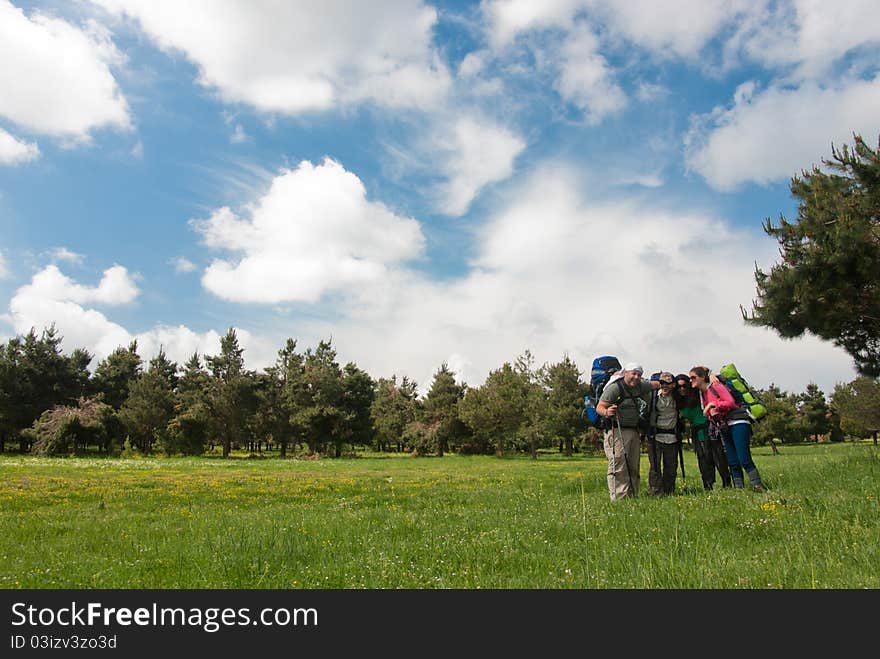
(307, 403)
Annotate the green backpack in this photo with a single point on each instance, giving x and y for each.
(742, 393)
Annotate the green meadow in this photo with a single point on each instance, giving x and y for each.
(392, 521)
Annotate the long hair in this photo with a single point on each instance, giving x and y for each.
(702, 372)
(690, 397)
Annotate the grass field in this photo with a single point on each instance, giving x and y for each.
(454, 522)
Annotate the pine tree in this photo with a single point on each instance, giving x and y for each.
(232, 398)
(115, 373)
(148, 409)
(814, 409)
(441, 410)
(393, 408)
(827, 281)
(565, 396)
(188, 428)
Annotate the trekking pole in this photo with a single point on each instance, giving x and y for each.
(679, 434)
(681, 462)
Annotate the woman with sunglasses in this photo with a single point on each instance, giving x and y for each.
(736, 427)
(706, 437)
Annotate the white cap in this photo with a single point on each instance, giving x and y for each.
(634, 366)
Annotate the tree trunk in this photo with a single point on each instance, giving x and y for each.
(499, 448)
(226, 446)
(534, 447)
(569, 447)
(875, 438)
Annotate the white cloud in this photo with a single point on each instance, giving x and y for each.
(559, 273)
(479, 153)
(180, 342)
(116, 287)
(509, 18)
(294, 57)
(810, 34)
(52, 298)
(56, 77)
(64, 254)
(313, 232)
(586, 79)
(13, 151)
(648, 92)
(471, 65)
(771, 135)
(183, 265)
(673, 27)
(4, 266)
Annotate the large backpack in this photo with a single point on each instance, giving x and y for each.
(603, 368)
(742, 393)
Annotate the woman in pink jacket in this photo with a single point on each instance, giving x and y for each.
(736, 426)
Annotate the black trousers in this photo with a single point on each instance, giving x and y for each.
(711, 456)
(663, 467)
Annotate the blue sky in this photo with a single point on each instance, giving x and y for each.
(421, 182)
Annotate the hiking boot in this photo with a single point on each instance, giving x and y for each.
(755, 478)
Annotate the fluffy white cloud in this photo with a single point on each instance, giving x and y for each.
(313, 232)
(116, 287)
(680, 27)
(56, 77)
(294, 57)
(673, 27)
(772, 134)
(509, 18)
(479, 153)
(14, 151)
(810, 34)
(53, 298)
(560, 273)
(586, 79)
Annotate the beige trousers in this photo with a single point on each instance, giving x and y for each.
(623, 449)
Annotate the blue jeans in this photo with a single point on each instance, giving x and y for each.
(739, 458)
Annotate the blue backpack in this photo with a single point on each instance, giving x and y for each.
(603, 368)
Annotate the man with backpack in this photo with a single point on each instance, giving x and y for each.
(625, 402)
(663, 438)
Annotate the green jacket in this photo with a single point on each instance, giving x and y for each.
(698, 421)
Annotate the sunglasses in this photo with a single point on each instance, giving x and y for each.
(666, 384)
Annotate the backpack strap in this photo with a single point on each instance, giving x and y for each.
(624, 392)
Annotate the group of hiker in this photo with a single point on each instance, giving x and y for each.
(660, 410)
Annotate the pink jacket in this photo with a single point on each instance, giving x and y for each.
(718, 394)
